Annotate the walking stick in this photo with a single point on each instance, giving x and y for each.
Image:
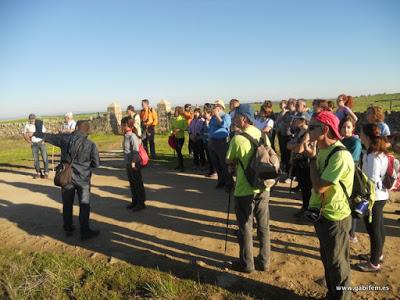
(227, 220)
(52, 158)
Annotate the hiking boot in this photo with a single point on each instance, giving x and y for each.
(237, 266)
(368, 267)
(138, 208)
(69, 230)
(264, 267)
(88, 234)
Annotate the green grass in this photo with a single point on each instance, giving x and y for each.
(17, 151)
(361, 103)
(42, 275)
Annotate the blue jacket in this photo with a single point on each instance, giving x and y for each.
(220, 131)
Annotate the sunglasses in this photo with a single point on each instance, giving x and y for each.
(313, 127)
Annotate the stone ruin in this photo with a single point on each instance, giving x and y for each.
(114, 113)
(164, 116)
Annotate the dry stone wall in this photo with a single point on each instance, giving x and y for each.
(97, 125)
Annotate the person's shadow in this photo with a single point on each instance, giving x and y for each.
(140, 249)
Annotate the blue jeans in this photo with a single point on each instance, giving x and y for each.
(36, 147)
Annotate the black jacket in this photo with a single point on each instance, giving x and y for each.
(75, 145)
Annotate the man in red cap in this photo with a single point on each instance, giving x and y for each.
(332, 172)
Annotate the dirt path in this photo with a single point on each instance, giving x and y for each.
(183, 231)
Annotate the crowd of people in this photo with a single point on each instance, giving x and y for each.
(319, 147)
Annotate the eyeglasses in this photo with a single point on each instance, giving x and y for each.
(313, 127)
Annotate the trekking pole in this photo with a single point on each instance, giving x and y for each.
(52, 158)
(227, 220)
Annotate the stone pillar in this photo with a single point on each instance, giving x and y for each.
(115, 114)
(164, 115)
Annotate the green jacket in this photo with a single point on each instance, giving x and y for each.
(181, 123)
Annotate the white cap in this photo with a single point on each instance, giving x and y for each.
(68, 114)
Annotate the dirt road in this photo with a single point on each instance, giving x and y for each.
(182, 231)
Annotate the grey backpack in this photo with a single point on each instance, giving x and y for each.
(263, 164)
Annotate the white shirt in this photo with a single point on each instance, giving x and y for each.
(263, 123)
(29, 129)
(137, 124)
(70, 125)
(375, 166)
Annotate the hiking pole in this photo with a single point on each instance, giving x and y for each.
(52, 158)
(227, 220)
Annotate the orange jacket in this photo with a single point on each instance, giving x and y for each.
(188, 116)
(149, 117)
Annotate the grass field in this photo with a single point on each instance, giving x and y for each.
(17, 151)
(361, 103)
(41, 275)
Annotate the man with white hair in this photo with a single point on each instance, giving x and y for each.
(69, 124)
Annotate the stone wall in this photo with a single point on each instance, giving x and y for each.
(97, 125)
(391, 118)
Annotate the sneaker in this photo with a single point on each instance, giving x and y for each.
(89, 234)
(37, 175)
(138, 208)
(46, 176)
(353, 239)
(367, 258)
(368, 267)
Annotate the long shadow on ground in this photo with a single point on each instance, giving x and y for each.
(119, 241)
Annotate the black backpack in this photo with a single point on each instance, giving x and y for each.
(263, 164)
(363, 187)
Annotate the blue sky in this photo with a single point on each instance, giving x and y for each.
(59, 56)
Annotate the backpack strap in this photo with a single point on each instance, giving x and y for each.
(253, 142)
(336, 149)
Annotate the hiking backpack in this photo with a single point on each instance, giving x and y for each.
(363, 187)
(263, 164)
(391, 179)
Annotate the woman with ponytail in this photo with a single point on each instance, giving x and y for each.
(375, 164)
(345, 106)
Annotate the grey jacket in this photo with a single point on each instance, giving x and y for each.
(75, 145)
(130, 146)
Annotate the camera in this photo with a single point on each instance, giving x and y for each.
(361, 207)
(312, 215)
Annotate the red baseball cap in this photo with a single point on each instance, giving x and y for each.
(328, 118)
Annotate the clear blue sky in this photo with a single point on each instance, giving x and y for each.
(59, 56)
